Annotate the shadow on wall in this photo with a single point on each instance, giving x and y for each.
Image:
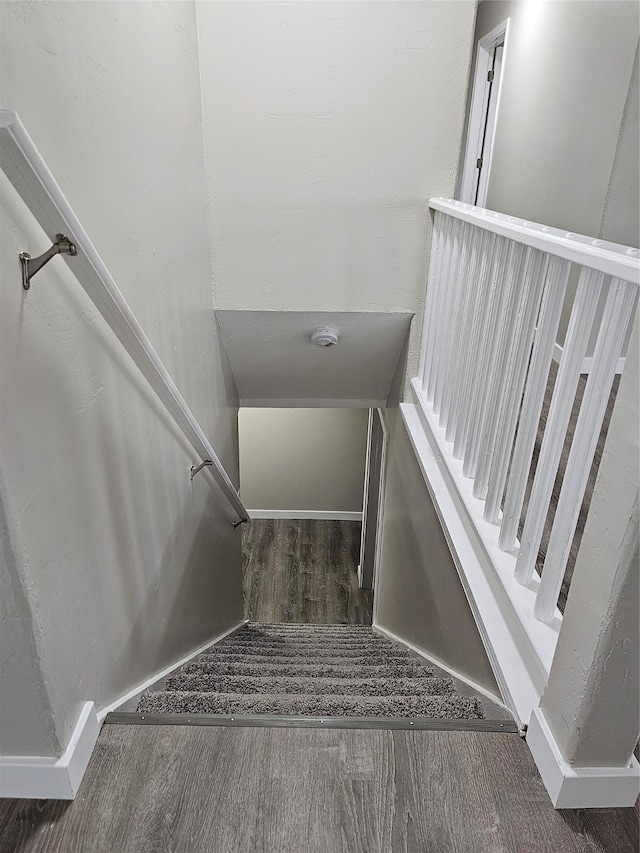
(420, 597)
(196, 604)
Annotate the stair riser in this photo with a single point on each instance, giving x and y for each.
(323, 686)
(291, 651)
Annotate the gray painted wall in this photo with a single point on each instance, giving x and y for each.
(621, 216)
(566, 76)
(328, 126)
(27, 722)
(116, 564)
(303, 459)
(419, 595)
(566, 146)
(591, 702)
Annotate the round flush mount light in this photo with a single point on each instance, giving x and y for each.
(324, 336)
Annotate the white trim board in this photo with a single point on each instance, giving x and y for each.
(320, 514)
(49, 778)
(140, 688)
(579, 787)
(309, 403)
(587, 361)
(476, 127)
(478, 688)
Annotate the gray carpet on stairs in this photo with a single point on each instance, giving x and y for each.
(309, 670)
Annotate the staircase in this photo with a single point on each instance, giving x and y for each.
(310, 670)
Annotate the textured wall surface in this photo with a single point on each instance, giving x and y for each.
(120, 565)
(591, 702)
(566, 76)
(420, 598)
(566, 150)
(328, 126)
(303, 459)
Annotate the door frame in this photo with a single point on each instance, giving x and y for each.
(379, 413)
(476, 132)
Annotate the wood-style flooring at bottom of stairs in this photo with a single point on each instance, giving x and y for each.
(303, 570)
(180, 789)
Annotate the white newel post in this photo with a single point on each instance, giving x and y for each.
(583, 734)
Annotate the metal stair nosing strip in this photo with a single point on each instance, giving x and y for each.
(279, 721)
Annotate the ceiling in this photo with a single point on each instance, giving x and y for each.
(275, 364)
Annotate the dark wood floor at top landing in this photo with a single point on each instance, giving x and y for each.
(303, 571)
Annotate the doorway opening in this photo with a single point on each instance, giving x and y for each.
(313, 483)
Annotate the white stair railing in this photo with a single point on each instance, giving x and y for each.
(496, 289)
(495, 296)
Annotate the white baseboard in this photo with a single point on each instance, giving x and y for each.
(579, 787)
(310, 403)
(478, 688)
(140, 688)
(39, 778)
(586, 362)
(319, 514)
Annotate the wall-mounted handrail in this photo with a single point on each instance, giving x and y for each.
(27, 171)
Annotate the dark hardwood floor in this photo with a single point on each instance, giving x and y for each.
(304, 571)
(181, 789)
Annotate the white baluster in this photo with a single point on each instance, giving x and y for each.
(430, 312)
(456, 321)
(534, 276)
(462, 355)
(584, 308)
(487, 354)
(446, 316)
(496, 382)
(618, 311)
(438, 307)
(481, 301)
(543, 346)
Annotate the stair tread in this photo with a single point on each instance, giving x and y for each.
(337, 686)
(408, 669)
(448, 706)
(306, 627)
(364, 660)
(312, 652)
(307, 641)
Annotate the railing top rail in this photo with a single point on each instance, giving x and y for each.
(27, 171)
(610, 258)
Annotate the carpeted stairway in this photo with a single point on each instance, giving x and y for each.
(309, 670)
